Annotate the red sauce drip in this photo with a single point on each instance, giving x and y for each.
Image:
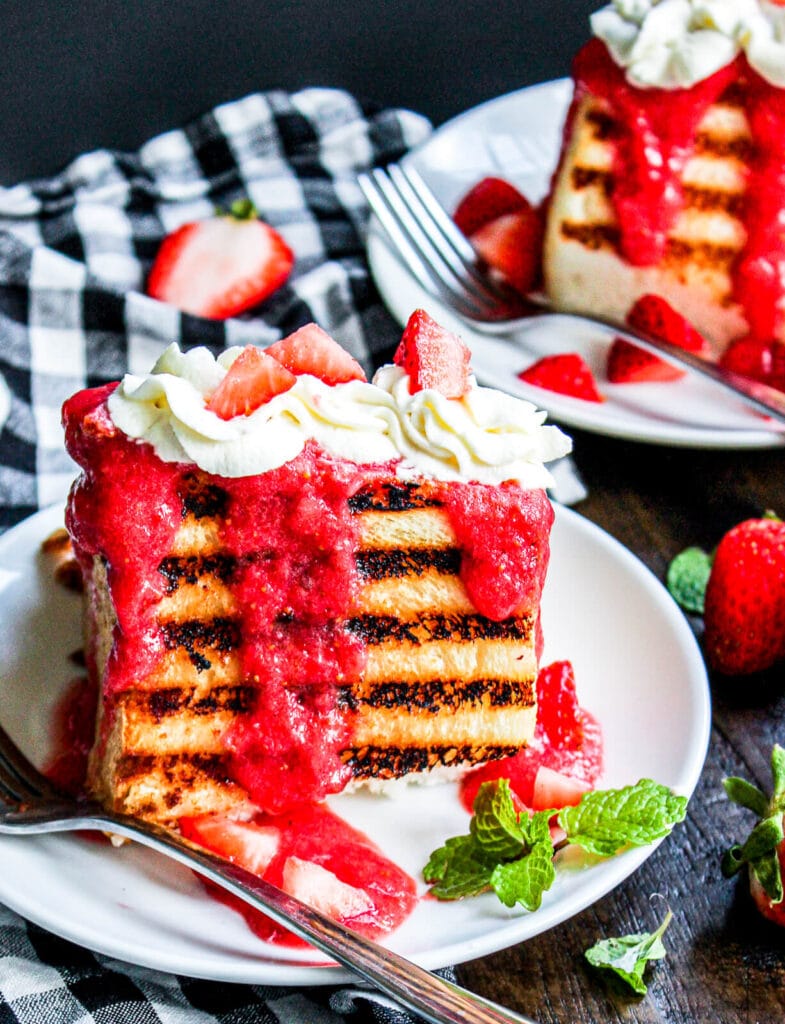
(503, 536)
(759, 276)
(656, 140)
(313, 833)
(73, 735)
(124, 507)
(296, 647)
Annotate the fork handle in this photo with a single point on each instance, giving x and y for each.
(433, 998)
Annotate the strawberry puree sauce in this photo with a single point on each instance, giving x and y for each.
(652, 150)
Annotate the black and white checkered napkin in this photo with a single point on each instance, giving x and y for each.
(74, 254)
(75, 250)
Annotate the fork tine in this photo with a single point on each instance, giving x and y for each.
(452, 247)
(20, 780)
(413, 244)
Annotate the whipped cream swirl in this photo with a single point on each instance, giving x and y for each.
(672, 44)
(486, 436)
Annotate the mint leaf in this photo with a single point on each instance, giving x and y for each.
(628, 955)
(687, 577)
(746, 795)
(458, 869)
(606, 821)
(494, 825)
(525, 880)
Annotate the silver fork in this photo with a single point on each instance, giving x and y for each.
(443, 262)
(30, 804)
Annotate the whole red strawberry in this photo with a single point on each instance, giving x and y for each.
(745, 598)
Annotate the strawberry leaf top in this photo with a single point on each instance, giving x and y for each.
(759, 850)
(688, 575)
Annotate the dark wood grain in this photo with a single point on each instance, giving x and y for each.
(725, 963)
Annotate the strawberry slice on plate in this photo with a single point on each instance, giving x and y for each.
(566, 373)
(433, 357)
(245, 843)
(311, 350)
(253, 379)
(221, 266)
(651, 314)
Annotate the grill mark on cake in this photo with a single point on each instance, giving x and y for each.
(439, 695)
(202, 499)
(174, 700)
(723, 147)
(391, 762)
(190, 568)
(377, 629)
(702, 253)
(588, 177)
(591, 236)
(193, 636)
(393, 496)
(712, 199)
(394, 563)
(603, 124)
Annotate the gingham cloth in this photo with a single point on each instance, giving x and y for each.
(75, 250)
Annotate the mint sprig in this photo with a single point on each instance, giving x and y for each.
(628, 955)
(512, 854)
(759, 851)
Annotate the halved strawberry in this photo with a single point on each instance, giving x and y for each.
(433, 357)
(651, 314)
(512, 246)
(311, 350)
(252, 379)
(566, 373)
(221, 266)
(556, 790)
(251, 846)
(488, 199)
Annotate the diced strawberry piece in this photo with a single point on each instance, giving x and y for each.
(323, 890)
(311, 350)
(558, 710)
(566, 373)
(512, 246)
(245, 843)
(221, 266)
(253, 379)
(433, 357)
(630, 364)
(488, 199)
(553, 789)
(651, 314)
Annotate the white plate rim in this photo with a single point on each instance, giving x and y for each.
(276, 971)
(623, 415)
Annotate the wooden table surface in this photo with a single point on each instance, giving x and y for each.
(725, 962)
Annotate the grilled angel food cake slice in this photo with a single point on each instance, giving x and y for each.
(340, 587)
(583, 266)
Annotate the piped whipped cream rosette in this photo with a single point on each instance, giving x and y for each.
(672, 44)
(485, 436)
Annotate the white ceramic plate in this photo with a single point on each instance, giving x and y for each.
(518, 137)
(638, 669)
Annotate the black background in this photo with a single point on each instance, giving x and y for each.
(104, 73)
